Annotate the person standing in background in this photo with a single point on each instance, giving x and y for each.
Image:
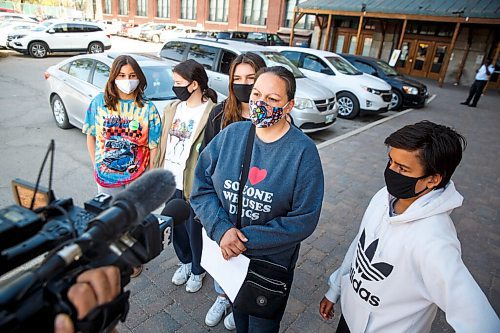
(482, 77)
(123, 129)
(184, 122)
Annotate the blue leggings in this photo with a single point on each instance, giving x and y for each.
(187, 240)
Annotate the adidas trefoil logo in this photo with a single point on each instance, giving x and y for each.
(369, 271)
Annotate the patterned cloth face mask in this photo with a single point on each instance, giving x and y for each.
(263, 115)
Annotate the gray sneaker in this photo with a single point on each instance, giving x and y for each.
(217, 311)
(194, 283)
(182, 274)
(229, 322)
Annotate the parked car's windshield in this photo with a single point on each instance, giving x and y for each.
(160, 83)
(277, 59)
(40, 27)
(343, 66)
(388, 70)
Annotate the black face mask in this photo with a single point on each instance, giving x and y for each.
(242, 92)
(182, 93)
(400, 186)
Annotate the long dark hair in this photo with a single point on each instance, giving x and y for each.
(111, 95)
(191, 70)
(232, 108)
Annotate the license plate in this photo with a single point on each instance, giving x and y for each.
(329, 118)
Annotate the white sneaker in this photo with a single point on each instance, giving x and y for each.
(218, 309)
(194, 283)
(229, 322)
(182, 274)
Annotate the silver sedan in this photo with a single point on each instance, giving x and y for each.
(74, 82)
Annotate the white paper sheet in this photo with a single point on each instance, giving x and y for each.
(229, 274)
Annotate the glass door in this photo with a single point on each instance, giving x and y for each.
(438, 57)
(406, 56)
(421, 58)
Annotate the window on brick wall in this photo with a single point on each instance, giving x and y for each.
(123, 7)
(142, 8)
(163, 8)
(306, 22)
(255, 12)
(188, 9)
(219, 10)
(107, 7)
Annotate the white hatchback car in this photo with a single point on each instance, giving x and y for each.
(74, 82)
(356, 91)
(61, 36)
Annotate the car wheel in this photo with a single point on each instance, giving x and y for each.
(348, 105)
(38, 49)
(96, 47)
(155, 39)
(396, 100)
(59, 112)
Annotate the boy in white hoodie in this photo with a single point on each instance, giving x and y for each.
(405, 260)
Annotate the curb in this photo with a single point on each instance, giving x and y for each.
(367, 127)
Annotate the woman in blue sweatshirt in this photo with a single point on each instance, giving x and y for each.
(283, 194)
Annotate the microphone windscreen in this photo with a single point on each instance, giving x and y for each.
(178, 210)
(148, 192)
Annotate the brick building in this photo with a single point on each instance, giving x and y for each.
(245, 15)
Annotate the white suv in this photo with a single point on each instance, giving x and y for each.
(355, 90)
(61, 37)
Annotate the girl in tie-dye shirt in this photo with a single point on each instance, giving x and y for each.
(122, 128)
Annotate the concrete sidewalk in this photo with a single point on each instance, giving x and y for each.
(353, 173)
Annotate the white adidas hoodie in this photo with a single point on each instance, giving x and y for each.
(399, 269)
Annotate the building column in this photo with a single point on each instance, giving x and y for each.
(274, 14)
(328, 28)
(448, 55)
(235, 15)
(175, 10)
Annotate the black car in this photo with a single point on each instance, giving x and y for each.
(406, 91)
(260, 38)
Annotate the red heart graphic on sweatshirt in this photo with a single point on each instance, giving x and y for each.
(256, 175)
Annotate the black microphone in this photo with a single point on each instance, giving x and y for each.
(178, 210)
(132, 205)
(175, 213)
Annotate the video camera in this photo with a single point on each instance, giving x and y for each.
(117, 231)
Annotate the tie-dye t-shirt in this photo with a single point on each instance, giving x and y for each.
(123, 139)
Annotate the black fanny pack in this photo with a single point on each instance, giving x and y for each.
(266, 287)
(265, 291)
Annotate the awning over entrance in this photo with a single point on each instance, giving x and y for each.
(458, 12)
(445, 8)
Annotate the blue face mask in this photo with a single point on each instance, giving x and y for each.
(263, 115)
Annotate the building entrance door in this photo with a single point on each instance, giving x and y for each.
(422, 58)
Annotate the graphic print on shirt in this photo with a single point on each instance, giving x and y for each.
(363, 269)
(255, 200)
(178, 134)
(121, 137)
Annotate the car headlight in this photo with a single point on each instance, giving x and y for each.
(410, 90)
(303, 103)
(18, 36)
(372, 90)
